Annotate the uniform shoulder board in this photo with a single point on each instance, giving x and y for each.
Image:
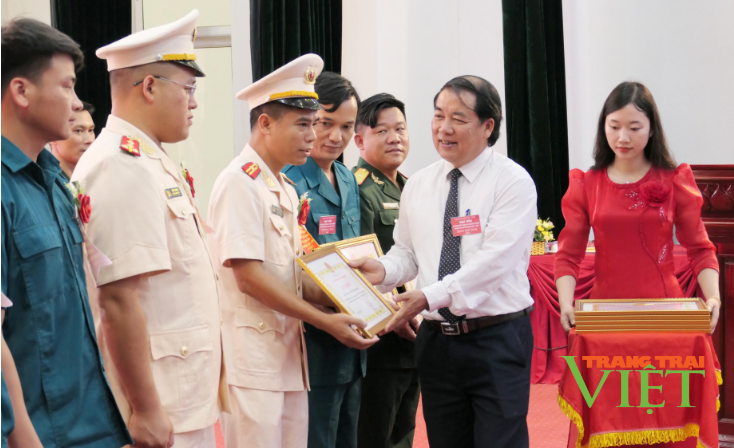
(288, 180)
(251, 169)
(130, 145)
(361, 174)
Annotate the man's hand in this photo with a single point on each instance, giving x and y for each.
(370, 268)
(714, 305)
(568, 317)
(340, 326)
(151, 429)
(409, 330)
(414, 302)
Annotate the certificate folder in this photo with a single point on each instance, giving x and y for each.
(347, 288)
(634, 315)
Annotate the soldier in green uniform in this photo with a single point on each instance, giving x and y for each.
(391, 388)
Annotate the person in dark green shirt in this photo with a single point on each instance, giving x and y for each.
(391, 388)
(49, 329)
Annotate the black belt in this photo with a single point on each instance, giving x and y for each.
(468, 325)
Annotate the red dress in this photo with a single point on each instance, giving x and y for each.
(633, 232)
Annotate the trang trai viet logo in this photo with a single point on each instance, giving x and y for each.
(624, 365)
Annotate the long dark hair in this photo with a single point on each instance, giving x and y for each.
(656, 151)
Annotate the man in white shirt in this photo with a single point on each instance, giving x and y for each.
(465, 230)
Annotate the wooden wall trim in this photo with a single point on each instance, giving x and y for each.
(716, 183)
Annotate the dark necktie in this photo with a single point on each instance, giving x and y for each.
(451, 249)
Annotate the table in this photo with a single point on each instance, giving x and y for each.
(663, 418)
(550, 340)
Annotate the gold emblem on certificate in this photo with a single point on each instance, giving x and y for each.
(347, 288)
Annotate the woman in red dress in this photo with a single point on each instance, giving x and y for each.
(633, 197)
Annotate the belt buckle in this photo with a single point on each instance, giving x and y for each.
(450, 329)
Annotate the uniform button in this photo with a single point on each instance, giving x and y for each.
(281, 227)
(184, 350)
(221, 321)
(184, 212)
(216, 276)
(261, 325)
(63, 230)
(298, 251)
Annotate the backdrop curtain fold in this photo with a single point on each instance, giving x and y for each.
(282, 30)
(535, 98)
(93, 24)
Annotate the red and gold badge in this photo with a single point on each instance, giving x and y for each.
(130, 145)
(251, 169)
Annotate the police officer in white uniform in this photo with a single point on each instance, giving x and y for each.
(254, 210)
(160, 321)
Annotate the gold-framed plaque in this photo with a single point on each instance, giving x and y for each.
(359, 247)
(635, 315)
(683, 307)
(347, 288)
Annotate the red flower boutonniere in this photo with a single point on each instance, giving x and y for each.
(654, 193)
(81, 201)
(304, 206)
(189, 180)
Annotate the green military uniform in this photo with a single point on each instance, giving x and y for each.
(391, 389)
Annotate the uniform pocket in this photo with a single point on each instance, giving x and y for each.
(182, 366)
(42, 258)
(260, 341)
(389, 217)
(351, 215)
(181, 230)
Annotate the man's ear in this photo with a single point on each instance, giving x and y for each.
(359, 141)
(488, 127)
(20, 89)
(149, 88)
(265, 124)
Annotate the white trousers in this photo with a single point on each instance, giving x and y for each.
(265, 419)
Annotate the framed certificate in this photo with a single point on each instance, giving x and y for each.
(359, 247)
(347, 288)
(682, 308)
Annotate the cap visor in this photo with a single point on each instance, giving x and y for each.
(301, 103)
(193, 65)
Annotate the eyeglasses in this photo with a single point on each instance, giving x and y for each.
(190, 89)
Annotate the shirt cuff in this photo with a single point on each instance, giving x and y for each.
(437, 296)
(392, 276)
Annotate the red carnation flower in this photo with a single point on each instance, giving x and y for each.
(85, 208)
(190, 180)
(303, 214)
(655, 193)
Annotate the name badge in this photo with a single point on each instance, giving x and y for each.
(466, 225)
(391, 205)
(274, 209)
(327, 225)
(173, 193)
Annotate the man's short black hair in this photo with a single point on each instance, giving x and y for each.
(28, 46)
(274, 109)
(88, 107)
(488, 104)
(332, 88)
(369, 110)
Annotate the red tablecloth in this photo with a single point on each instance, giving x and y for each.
(606, 423)
(546, 319)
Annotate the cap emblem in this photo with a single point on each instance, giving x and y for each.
(310, 76)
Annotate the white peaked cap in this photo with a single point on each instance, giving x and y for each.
(291, 84)
(172, 42)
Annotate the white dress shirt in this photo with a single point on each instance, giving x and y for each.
(493, 277)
